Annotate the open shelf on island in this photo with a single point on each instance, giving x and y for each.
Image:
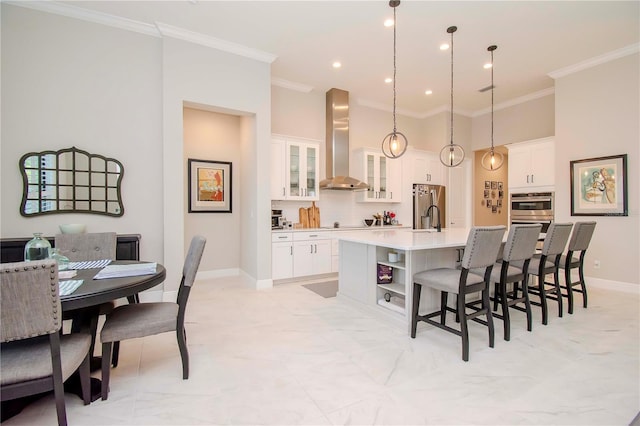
(394, 287)
(397, 265)
(396, 304)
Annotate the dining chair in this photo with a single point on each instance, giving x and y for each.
(548, 262)
(520, 246)
(147, 319)
(579, 243)
(481, 250)
(90, 246)
(34, 356)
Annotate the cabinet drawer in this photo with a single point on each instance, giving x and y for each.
(316, 235)
(281, 236)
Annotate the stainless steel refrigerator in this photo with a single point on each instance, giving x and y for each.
(429, 211)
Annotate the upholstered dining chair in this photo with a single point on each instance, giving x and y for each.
(34, 356)
(146, 319)
(90, 246)
(520, 246)
(481, 250)
(548, 262)
(579, 243)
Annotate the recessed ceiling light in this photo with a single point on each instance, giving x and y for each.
(388, 80)
(337, 64)
(487, 66)
(444, 46)
(428, 92)
(388, 22)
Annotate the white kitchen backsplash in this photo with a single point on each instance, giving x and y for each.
(342, 207)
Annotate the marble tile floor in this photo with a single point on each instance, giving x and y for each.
(287, 356)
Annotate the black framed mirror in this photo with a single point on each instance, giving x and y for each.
(70, 181)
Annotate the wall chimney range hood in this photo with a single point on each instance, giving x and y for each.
(337, 148)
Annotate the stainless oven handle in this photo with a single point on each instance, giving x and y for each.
(517, 199)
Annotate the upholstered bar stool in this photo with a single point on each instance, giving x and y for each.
(480, 251)
(547, 262)
(520, 246)
(580, 239)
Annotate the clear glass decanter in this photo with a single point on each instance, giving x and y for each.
(37, 248)
(63, 261)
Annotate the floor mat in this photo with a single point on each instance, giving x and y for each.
(325, 289)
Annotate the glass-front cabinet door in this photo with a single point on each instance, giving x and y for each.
(303, 163)
(383, 175)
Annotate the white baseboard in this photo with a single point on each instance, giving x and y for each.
(217, 273)
(620, 286)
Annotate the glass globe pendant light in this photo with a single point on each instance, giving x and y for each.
(395, 143)
(492, 160)
(451, 155)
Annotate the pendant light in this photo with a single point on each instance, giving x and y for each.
(492, 160)
(395, 143)
(451, 155)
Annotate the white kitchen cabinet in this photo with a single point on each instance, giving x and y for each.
(281, 255)
(532, 165)
(295, 164)
(427, 168)
(382, 174)
(311, 253)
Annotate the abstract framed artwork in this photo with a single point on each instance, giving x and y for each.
(599, 186)
(209, 186)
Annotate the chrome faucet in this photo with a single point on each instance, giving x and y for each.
(437, 209)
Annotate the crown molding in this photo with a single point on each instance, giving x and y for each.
(386, 108)
(204, 40)
(155, 30)
(589, 63)
(517, 101)
(286, 84)
(75, 12)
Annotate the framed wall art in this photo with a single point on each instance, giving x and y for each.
(599, 186)
(209, 186)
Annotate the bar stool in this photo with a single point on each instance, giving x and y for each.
(483, 244)
(547, 262)
(580, 239)
(520, 246)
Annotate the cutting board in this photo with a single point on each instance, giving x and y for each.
(314, 216)
(304, 217)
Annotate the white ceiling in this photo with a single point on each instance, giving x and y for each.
(534, 39)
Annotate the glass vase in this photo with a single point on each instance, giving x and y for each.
(37, 248)
(63, 261)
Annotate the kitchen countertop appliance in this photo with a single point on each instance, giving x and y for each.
(533, 207)
(276, 219)
(429, 210)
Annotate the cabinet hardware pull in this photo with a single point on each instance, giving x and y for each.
(311, 247)
(531, 178)
(291, 250)
(283, 190)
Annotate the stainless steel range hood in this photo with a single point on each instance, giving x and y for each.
(337, 140)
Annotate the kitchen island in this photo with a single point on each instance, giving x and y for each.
(363, 254)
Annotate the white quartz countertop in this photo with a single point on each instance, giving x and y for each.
(409, 239)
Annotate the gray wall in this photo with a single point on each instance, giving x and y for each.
(597, 114)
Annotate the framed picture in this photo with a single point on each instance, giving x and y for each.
(494, 209)
(494, 184)
(209, 186)
(486, 193)
(500, 194)
(487, 184)
(599, 186)
(489, 203)
(500, 186)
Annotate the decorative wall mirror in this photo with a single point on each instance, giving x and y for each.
(70, 181)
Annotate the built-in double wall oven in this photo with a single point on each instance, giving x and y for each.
(533, 207)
